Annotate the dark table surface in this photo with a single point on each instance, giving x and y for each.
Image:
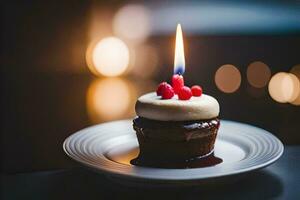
(278, 181)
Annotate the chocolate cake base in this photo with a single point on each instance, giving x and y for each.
(175, 140)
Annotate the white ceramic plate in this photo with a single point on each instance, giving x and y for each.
(108, 148)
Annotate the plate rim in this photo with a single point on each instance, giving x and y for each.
(106, 171)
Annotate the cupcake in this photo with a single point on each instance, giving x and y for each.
(174, 127)
(177, 123)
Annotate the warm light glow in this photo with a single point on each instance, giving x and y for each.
(132, 22)
(124, 156)
(179, 61)
(284, 87)
(296, 71)
(276, 89)
(228, 78)
(109, 99)
(258, 74)
(295, 88)
(109, 57)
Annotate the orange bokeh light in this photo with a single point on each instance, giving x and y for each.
(284, 87)
(228, 78)
(108, 57)
(132, 22)
(296, 71)
(110, 99)
(258, 74)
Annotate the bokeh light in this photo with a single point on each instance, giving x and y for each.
(132, 22)
(276, 87)
(284, 87)
(228, 78)
(295, 88)
(296, 71)
(258, 74)
(108, 57)
(110, 99)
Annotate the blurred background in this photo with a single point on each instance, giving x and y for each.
(67, 65)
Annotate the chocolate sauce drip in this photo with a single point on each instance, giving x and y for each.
(207, 161)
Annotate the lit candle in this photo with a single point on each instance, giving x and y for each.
(183, 92)
(179, 61)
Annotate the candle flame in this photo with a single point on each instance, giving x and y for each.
(179, 61)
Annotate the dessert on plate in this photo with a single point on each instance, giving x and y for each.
(176, 122)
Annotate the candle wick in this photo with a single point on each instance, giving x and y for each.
(179, 71)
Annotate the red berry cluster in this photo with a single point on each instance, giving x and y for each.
(166, 91)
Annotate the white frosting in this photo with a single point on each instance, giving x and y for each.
(153, 107)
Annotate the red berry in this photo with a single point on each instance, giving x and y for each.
(160, 88)
(196, 90)
(167, 92)
(185, 93)
(177, 82)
